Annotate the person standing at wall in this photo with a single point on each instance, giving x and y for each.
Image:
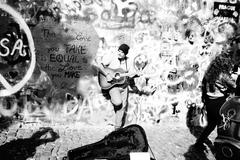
(217, 83)
(114, 86)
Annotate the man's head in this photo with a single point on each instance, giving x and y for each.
(233, 41)
(123, 50)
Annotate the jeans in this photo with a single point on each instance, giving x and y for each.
(119, 99)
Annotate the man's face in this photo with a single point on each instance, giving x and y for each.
(225, 32)
(121, 54)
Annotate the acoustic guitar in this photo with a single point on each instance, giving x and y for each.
(120, 77)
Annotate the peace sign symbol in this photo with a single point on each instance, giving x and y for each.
(9, 89)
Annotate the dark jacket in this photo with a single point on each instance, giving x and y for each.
(217, 81)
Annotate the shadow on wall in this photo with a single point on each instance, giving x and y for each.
(22, 149)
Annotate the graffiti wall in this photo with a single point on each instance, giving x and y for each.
(171, 43)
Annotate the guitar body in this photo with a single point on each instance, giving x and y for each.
(118, 80)
(115, 146)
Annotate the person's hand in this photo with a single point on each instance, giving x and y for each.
(109, 77)
(135, 75)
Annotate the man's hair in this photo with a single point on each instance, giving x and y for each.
(222, 63)
(124, 48)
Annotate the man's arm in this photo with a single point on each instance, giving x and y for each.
(102, 69)
(133, 85)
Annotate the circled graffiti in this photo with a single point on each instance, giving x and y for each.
(8, 88)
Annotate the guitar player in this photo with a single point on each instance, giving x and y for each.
(118, 94)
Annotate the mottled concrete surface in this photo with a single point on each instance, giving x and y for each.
(168, 140)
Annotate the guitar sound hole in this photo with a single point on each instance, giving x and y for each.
(117, 76)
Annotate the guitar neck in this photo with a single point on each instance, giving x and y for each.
(100, 68)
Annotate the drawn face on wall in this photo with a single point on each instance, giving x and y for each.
(140, 62)
(192, 37)
(226, 29)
